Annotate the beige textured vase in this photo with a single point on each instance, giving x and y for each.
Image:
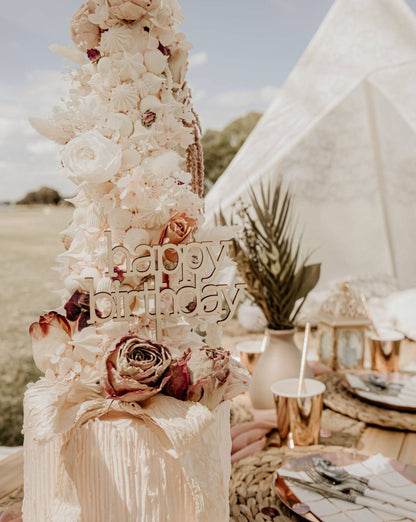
(280, 359)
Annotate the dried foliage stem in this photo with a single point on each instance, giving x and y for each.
(268, 257)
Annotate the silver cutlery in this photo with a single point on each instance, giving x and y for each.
(381, 385)
(326, 491)
(337, 474)
(348, 485)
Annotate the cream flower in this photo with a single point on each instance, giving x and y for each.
(117, 38)
(178, 64)
(135, 237)
(155, 61)
(130, 10)
(91, 157)
(124, 97)
(119, 218)
(130, 66)
(84, 33)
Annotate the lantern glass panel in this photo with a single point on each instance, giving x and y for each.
(326, 347)
(350, 348)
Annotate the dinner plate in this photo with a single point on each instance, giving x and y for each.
(404, 401)
(300, 506)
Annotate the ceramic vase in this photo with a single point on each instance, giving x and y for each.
(280, 360)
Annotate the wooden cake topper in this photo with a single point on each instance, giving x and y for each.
(192, 292)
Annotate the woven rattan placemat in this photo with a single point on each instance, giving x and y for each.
(252, 496)
(340, 400)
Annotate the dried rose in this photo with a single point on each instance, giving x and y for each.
(163, 49)
(52, 331)
(148, 118)
(176, 231)
(135, 369)
(179, 378)
(213, 376)
(78, 309)
(84, 33)
(131, 10)
(93, 55)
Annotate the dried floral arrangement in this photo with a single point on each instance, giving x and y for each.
(131, 144)
(268, 257)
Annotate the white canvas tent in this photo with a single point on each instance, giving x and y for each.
(342, 131)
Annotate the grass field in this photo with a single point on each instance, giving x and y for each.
(29, 244)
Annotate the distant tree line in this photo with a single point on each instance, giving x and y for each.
(221, 146)
(43, 196)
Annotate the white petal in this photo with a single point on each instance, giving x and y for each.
(70, 53)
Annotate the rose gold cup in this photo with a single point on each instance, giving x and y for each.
(298, 416)
(385, 351)
(250, 352)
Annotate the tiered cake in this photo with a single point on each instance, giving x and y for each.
(130, 421)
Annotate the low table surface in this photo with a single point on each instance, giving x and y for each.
(399, 445)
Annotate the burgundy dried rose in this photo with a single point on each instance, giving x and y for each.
(176, 231)
(164, 50)
(131, 10)
(84, 33)
(78, 309)
(179, 378)
(120, 274)
(135, 369)
(93, 55)
(52, 331)
(209, 375)
(148, 118)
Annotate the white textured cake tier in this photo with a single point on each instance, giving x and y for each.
(122, 473)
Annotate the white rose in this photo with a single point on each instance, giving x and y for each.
(91, 157)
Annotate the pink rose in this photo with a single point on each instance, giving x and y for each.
(84, 33)
(135, 369)
(131, 10)
(52, 331)
(176, 231)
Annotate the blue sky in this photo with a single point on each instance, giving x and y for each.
(243, 52)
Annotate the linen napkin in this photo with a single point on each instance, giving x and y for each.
(379, 469)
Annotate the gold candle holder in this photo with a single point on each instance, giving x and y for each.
(250, 352)
(385, 351)
(298, 416)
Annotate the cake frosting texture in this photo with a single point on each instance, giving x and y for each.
(124, 473)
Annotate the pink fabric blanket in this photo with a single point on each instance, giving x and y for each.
(250, 437)
(12, 514)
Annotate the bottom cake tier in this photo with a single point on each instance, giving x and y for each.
(123, 474)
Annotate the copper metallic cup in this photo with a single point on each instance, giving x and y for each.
(298, 417)
(385, 351)
(250, 352)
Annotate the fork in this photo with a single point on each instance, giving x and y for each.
(362, 490)
(326, 491)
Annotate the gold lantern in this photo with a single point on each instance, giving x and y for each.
(342, 330)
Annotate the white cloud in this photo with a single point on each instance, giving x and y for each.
(198, 59)
(198, 95)
(248, 98)
(217, 111)
(29, 161)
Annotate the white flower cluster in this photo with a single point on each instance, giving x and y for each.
(130, 137)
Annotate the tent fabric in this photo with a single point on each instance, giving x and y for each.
(342, 133)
